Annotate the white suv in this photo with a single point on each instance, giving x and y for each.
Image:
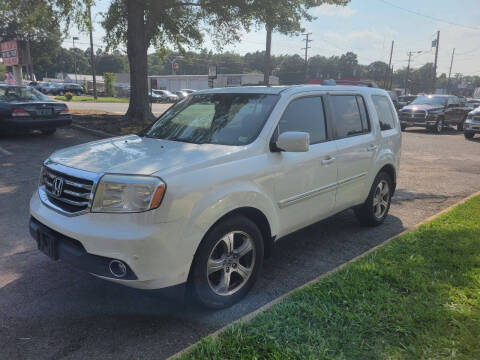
(201, 196)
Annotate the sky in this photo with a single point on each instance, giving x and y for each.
(367, 27)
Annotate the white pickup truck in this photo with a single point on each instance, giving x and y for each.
(201, 196)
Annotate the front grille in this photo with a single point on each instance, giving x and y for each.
(74, 194)
(417, 114)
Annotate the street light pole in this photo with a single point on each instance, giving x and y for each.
(75, 58)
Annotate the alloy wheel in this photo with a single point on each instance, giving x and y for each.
(381, 199)
(231, 263)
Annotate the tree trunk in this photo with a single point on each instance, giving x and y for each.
(139, 108)
(267, 69)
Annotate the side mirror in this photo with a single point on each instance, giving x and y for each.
(293, 141)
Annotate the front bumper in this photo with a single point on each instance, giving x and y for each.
(147, 247)
(35, 123)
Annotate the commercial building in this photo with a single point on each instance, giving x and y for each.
(200, 82)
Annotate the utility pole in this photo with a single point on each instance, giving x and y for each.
(408, 72)
(92, 58)
(435, 64)
(389, 66)
(391, 79)
(307, 46)
(268, 59)
(450, 71)
(75, 58)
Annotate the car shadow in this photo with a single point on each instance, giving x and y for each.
(421, 130)
(73, 312)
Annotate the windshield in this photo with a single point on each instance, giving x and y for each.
(19, 93)
(227, 119)
(430, 100)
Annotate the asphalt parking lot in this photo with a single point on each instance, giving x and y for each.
(49, 310)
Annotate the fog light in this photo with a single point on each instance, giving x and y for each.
(117, 268)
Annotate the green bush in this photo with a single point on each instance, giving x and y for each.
(68, 96)
(109, 79)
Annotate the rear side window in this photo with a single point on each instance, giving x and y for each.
(305, 115)
(384, 112)
(348, 115)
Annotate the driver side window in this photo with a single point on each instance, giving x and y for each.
(306, 115)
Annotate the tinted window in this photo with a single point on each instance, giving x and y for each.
(228, 119)
(306, 115)
(384, 112)
(348, 119)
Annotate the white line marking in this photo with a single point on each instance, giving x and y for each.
(5, 152)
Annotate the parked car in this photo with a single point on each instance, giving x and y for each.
(434, 112)
(45, 87)
(473, 103)
(181, 94)
(405, 100)
(393, 95)
(188, 91)
(162, 96)
(202, 195)
(24, 108)
(472, 124)
(61, 89)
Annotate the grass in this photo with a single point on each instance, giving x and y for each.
(99, 99)
(416, 298)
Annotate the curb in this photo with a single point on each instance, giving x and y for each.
(98, 133)
(268, 305)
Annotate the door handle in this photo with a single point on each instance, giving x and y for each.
(372, 147)
(328, 160)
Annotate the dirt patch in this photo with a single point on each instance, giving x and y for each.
(110, 123)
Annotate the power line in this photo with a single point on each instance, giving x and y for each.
(429, 17)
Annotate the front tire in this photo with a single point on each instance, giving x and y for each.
(469, 135)
(227, 263)
(375, 209)
(460, 126)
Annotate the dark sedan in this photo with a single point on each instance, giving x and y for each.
(24, 108)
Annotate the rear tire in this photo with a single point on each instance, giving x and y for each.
(227, 263)
(403, 127)
(460, 126)
(375, 209)
(49, 132)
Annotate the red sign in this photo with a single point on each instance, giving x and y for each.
(10, 53)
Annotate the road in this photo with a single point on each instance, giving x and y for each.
(49, 310)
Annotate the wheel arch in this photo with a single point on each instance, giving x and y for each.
(390, 170)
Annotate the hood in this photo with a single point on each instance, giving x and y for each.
(139, 155)
(426, 107)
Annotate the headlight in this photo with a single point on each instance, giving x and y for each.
(128, 193)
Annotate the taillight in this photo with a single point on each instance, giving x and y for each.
(65, 111)
(20, 113)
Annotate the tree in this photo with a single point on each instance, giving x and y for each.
(347, 65)
(284, 16)
(292, 70)
(142, 23)
(376, 70)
